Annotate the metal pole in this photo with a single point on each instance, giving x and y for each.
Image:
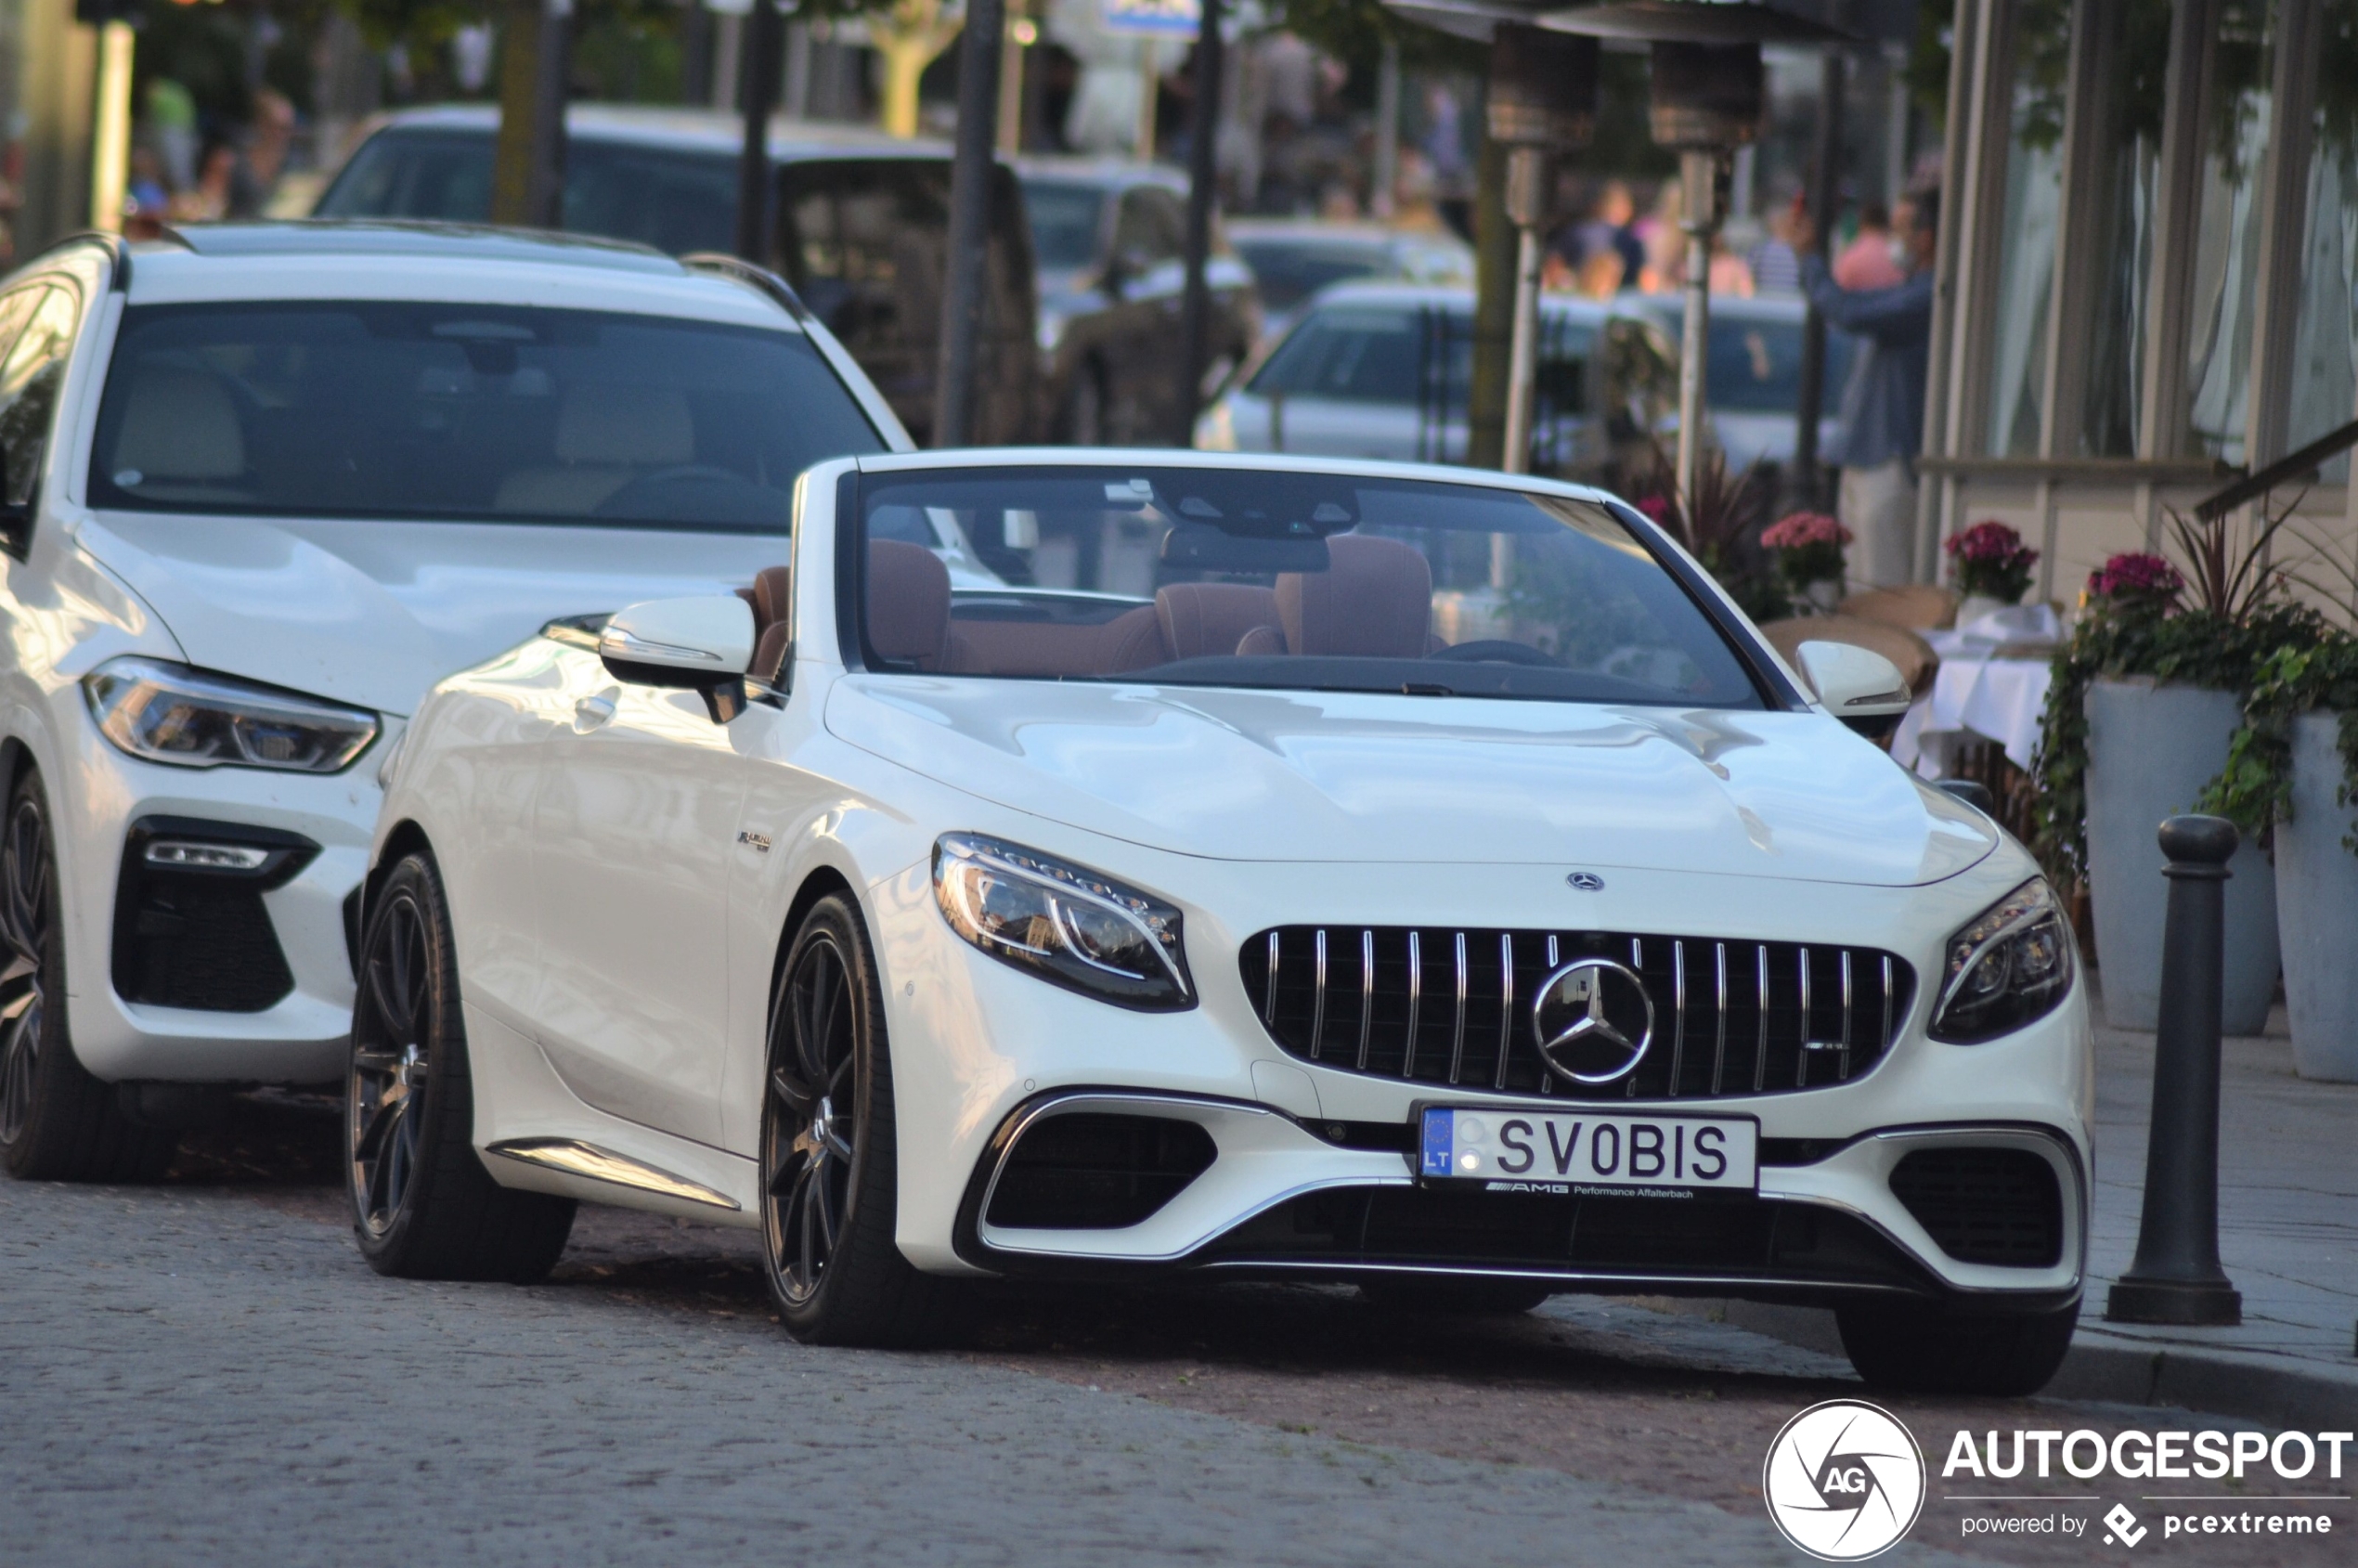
(1526, 206)
(1018, 38)
(967, 289)
(2176, 1277)
(545, 189)
(110, 138)
(1809, 401)
(1385, 180)
(1150, 96)
(761, 57)
(1203, 184)
(1699, 175)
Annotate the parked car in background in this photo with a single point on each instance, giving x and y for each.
(1381, 370)
(265, 485)
(1109, 243)
(861, 227)
(1753, 382)
(1293, 258)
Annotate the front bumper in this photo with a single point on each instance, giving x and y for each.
(299, 1038)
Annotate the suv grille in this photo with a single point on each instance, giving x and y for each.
(1999, 1206)
(1448, 1006)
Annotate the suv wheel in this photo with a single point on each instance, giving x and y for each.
(1918, 1348)
(827, 1150)
(58, 1123)
(424, 1207)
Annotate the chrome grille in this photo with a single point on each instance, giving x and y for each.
(1453, 1006)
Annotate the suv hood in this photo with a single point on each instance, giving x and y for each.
(375, 612)
(1301, 776)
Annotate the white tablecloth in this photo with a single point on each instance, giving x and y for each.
(1974, 698)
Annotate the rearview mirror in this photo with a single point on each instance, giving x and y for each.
(1859, 687)
(702, 645)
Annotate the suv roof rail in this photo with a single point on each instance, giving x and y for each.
(719, 264)
(117, 252)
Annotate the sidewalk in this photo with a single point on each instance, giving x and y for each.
(2288, 1234)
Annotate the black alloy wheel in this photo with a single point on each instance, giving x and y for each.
(827, 1150)
(1918, 1347)
(424, 1207)
(58, 1123)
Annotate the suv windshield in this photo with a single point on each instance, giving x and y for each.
(1301, 581)
(463, 411)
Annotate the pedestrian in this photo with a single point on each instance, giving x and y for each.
(1602, 251)
(1883, 409)
(1776, 268)
(1867, 261)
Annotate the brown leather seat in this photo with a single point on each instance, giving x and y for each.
(1200, 619)
(1373, 600)
(908, 604)
(1911, 654)
(1917, 606)
(770, 598)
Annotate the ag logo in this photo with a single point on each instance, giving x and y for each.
(1594, 1020)
(1844, 1480)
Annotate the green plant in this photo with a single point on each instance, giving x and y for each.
(2254, 788)
(1722, 528)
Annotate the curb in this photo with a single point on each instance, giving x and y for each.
(2107, 1365)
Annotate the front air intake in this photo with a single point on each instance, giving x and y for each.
(1096, 1171)
(1998, 1206)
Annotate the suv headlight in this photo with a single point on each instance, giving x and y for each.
(2010, 966)
(161, 712)
(1064, 923)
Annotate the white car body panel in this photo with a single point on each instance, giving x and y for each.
(366, 613)
(848, 778)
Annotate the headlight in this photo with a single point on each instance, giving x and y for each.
(2012, 964)
(169, 713)
(1064, 923)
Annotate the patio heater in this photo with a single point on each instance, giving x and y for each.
(1543, 103)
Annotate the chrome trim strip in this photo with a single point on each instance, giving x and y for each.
(1416, 1004)
(1367, 993)
(1318, 1004)
(1719, 1032)
(1678, 1016)
(1269, 1003)
(1887, 1001)
(1506, 1005)
(1457, 1033)
(1638, 967)
(1801, 1057)
(1843, 1071)
(1574, 1276)
(1760, 1058)
(578, 1158)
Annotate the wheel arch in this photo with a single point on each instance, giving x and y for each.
(818, 883)
(406, 838)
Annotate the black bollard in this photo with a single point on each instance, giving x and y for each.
(2176, 1277)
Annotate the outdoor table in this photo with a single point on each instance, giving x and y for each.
(1984, 691)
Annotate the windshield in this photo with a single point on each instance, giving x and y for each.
(460, 411)
(1421, 357)
(1287, 272)
(1065, 220)
(1296, 581)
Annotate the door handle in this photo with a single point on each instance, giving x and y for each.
(592, 713)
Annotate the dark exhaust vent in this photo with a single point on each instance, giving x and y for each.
(1096, 1171)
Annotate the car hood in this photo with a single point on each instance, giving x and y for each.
(1349, 776)
(375, 612)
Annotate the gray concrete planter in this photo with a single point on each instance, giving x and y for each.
(2317, 907)
(2151, 751)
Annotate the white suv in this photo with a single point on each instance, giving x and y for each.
(263, 486)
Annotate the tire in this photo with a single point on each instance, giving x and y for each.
(58, 1123)
(1918, 1348)
(1464, 1297)
(828, 1171)
(422, 1205)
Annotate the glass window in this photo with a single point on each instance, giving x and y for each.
(1065, 218)
(2128, 160)
(2027, 244)
(2325, 369)
(2227, 238)
(1301, 582)
(477, 413)
(30, 378)
(1755, 364)
(1425, 357)
(1289, 271)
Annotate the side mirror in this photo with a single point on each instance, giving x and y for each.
(704, 644)
(16, 517)
(1859, 687)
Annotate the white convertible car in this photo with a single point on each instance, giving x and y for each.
(1151, 864)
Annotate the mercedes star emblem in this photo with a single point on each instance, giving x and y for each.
(1587, 881)
(1594, 1020)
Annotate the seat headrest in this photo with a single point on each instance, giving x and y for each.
(771, 587)
(908, 603)
(180, 424)
(1373, 600)
(1208, 618)
(624, 422)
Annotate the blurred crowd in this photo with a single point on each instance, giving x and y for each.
(185, 168)
(1615, 246)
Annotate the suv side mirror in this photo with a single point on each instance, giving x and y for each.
(702, 645)
(1859, 687)
(16, 517)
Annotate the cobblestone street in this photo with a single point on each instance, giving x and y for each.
(206, 1372)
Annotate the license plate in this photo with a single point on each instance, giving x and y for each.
(1501, 1149)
